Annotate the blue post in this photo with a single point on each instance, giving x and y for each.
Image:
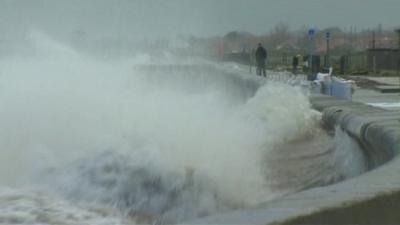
(398, 54)
(311, 34)
(328, 60)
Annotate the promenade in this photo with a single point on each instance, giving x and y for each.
(367, 93)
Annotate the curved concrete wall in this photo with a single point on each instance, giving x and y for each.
(378, 132)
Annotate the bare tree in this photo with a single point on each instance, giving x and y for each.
(279, 35)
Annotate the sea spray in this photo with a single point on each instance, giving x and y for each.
(170, 140)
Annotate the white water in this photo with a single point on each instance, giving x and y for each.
(103, 141)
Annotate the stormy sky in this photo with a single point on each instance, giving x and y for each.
(158, 18)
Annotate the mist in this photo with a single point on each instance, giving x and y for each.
(96, 130)
(137, 19)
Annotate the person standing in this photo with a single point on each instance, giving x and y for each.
(295, 64)
(261, 56)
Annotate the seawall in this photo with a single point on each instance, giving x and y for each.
(376, 130)
(367, 199)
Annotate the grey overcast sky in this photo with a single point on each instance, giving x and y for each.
(197, 17)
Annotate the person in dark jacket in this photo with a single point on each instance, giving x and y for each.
(261, 56)
(295, 64)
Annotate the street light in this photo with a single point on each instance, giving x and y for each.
(328, 37)
(311, 34)
(398, 54)
(398, 34)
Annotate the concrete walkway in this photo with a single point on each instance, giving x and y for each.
(389, 101)
(385, 80)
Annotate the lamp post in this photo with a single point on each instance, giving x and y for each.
(311, 34)
(398, 54)
(398, 41)
(373, 40)
(373, 52)
(328, 37)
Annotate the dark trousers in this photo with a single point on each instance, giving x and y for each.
(294, 70)
(261, 69)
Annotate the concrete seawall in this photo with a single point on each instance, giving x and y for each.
(366, 199)
(376, 130)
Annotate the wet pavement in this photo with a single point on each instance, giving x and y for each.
(370, 96)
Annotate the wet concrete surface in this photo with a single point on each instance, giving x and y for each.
(389, 101)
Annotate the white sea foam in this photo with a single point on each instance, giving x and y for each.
(36, 207)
